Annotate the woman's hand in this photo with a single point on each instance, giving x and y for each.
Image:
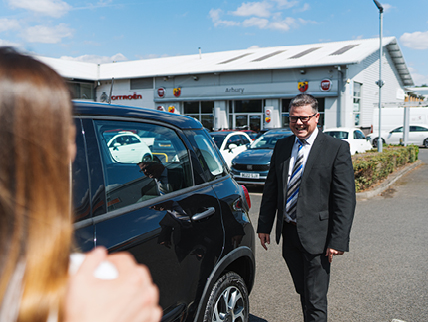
(130, 297)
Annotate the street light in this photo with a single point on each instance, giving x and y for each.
(380, 82)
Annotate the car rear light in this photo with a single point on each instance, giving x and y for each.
(247, 196)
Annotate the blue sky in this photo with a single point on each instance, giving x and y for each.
(113, 30)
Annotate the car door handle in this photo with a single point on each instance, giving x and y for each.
(205, 214)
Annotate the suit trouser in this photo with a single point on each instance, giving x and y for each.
(310, 273)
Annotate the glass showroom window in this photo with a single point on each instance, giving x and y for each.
(357, 103)
(242, 113)
(286, 102)
(81, 90)
(202, 111)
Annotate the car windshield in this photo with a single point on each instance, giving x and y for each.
(267, 141)
(337, 134)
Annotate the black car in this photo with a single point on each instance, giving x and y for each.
(177, 210)
(251, 167)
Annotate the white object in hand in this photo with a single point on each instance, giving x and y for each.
(106, 270)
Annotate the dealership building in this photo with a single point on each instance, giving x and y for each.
(251, 87)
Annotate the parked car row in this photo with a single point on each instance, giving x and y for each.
(418, 135)
(157, 187)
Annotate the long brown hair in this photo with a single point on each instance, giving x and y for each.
(35, 221)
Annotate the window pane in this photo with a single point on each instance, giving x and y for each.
(81, 202)
(207, 107)
(191, 108)
(209, 160)
(142, 83)
(207, 121)
(247, 106)
(141, 161)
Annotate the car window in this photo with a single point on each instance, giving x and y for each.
(209, 159)
(338, 134)
(244, 140)
(418, 129)
(141, 161)
(234, 139)
(80, 183)
(397, 130)
(359, 135)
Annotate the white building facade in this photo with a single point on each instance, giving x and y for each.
(253, 87)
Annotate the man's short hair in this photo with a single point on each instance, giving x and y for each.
(304, 99)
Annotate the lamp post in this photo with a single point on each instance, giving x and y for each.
(380, 82)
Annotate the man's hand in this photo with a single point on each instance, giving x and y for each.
(331, 252)
(264, 239)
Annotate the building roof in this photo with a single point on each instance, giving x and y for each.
(266, 58)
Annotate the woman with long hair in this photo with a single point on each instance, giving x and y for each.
(36, 147)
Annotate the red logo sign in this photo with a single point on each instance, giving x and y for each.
(171, 109)
(161, 108)
(325, 85)
(303, 85)
(161, 92)
(177, 91)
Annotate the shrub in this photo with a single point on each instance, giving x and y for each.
(372, 167)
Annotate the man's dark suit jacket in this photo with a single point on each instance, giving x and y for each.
(326, 201)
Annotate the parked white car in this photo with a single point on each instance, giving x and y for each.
(128, 147)
(230, 143)
(358, 143)
(418, 135)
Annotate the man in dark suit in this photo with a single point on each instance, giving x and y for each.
(310, 191)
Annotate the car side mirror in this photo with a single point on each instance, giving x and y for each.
(232, 146)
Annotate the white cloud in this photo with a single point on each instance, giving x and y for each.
(258, 9)
(386, 7)
(415, 40)
(47, 35)
(52, 8)
(257, 22)
(286, 4)
(8, 43)
(96, 59)
(8, 24)
(215, 17)
(305, 7)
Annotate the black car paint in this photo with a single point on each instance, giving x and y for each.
(185, 257)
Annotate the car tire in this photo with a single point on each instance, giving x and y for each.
(426, 143)
(375, 142)
(147, 157)
(228, 300)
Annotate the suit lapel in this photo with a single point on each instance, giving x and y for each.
(285, 163)
(313, 155)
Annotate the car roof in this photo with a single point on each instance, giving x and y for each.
(278, 131)
(102, 109)
(342, 129)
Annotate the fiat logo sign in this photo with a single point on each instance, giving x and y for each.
(161, 92)
(325, 85)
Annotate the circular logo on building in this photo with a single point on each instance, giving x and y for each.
(171, 109)
(325, 85)
(161, 92)
(177, 91)
(303, 85)
(161, 108)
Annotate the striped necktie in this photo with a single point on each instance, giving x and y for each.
(294, 183)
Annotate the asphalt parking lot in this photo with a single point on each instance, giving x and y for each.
(383, 277)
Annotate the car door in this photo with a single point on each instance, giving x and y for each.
(417, 134)
(395, 135)
(161, 212)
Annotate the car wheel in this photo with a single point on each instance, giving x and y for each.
(426, 143)
(147, 157)
(375, 142)
(228, 300)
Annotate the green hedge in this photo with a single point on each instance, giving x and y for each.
(372, 167)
